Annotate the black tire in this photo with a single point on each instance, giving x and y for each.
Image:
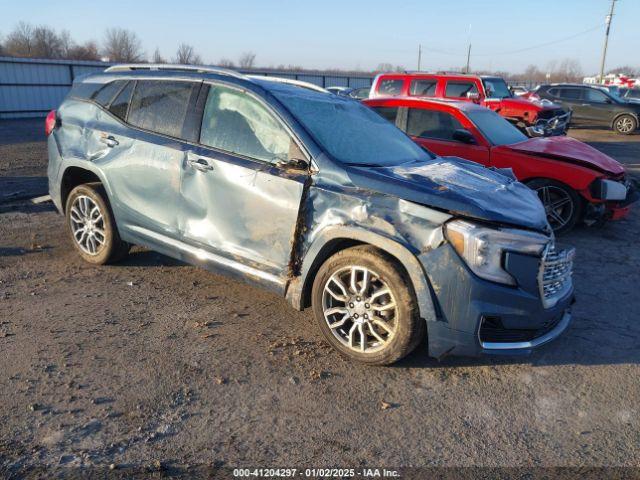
(570, 212)
(625, 124)
(112, 247)
(409, 328)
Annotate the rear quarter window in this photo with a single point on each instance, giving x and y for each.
(460, 88)
(390, 87)
(160, 106)
(388, 113)
(424, 88)
(120, 104)
(84, 90)
(107, 92)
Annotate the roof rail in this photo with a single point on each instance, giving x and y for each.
(125, 67)
(289, 81)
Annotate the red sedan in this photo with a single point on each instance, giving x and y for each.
(575, 182)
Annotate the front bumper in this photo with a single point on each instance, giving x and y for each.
(557, 125)
(464, 301)
(612, 210)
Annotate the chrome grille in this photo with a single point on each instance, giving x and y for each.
(554, 278)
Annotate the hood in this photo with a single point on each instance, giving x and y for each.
(457, 186)
(570, 150)
(519, 103)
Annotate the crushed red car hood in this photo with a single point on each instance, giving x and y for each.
(517, 103)
(569, 150)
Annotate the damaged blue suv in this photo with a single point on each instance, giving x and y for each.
(315, 197)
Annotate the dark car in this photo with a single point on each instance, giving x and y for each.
(632, 95)
(592, 106)
(314, 197)
(359, 93)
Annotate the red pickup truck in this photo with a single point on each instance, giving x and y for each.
(535, 119)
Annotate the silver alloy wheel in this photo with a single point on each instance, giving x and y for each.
(87, 225)
(360, 309)
(558, 205)
(624, 124)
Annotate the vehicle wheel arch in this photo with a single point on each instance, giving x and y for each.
(334, 240)
(75, 175)
(581, 199)
(621, 114)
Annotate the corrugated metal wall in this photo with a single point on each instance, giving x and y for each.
(32, 87)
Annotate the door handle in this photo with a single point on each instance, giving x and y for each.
(199, 164)
(110, 141)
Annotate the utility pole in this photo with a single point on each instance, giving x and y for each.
(468, 58)
(606, 40)
(468, 50)
(419, 55)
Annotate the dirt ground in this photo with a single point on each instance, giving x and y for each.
(155, 361)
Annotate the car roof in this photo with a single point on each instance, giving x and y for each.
(196, 72)
(457, 104)
(440, 74)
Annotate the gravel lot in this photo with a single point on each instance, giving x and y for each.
(154, 361)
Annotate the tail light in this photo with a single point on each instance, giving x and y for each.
(50, 122)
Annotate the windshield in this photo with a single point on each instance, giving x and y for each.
(495, 128)
(496, 88)
(347, 130)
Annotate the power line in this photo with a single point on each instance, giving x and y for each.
(520, 50)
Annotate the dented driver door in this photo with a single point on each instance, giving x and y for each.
(241, 189)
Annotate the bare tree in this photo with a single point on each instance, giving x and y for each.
(186, 55)
(87, 51)
(626, 70)
(122, 45)
(157, 57)
(569, 70)
(225, 62)
(19, 42)
(247, 60)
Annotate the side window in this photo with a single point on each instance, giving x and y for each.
(160, 106)
(569, 93)
(390, 87)
(425, 88)
(235, 122)
(389, 113)
(121, 103)
(460, 89)
(431, 124)
(595, 96)
(554, 92)
(107, 92)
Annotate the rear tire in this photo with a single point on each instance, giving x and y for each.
(91, 225)
(562, 204)
(375, 317)
(625, 124)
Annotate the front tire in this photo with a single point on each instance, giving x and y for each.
(562, 204)
(365, 308)
(625, 124)
(91, 225)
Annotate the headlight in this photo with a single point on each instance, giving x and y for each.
(483, 248)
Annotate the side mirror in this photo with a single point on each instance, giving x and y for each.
(473, 96)
(464, 136)
(291, 163)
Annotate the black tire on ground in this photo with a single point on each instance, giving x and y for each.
(409, 327)
(112, 247)
(625, 124)
(570, 211)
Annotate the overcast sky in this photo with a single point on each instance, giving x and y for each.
(356, 34)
